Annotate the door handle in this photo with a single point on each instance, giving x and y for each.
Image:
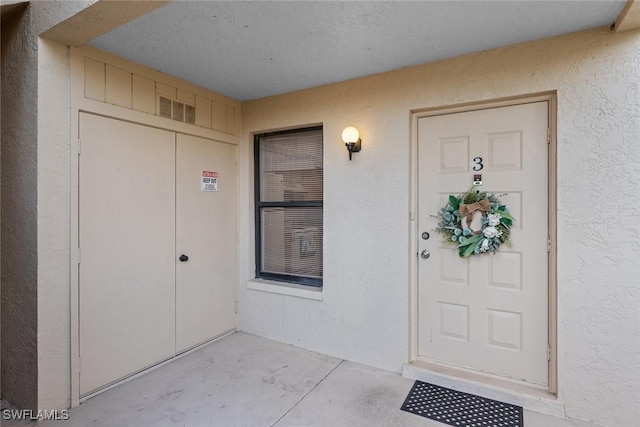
(183, 258)
(425, 254)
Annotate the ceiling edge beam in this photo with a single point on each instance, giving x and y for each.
(629, 18)
(99, 18)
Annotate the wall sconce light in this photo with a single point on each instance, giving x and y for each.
(352, 141)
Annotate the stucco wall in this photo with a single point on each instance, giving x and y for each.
(18, 266)
(24, 327)
(364, 312)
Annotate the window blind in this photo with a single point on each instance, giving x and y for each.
(289, 209)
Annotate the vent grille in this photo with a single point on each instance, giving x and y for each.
(164, 109)
(176, 110)
(189, 114)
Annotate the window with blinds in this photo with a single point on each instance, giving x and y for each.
(288, 194)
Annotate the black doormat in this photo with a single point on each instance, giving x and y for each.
(460, 409)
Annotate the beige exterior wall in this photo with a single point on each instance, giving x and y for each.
(53, 195)
(364, 312)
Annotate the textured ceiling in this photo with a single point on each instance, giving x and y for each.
(248, 50)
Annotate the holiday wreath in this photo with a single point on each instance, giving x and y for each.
(475, 222)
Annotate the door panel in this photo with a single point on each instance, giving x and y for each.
(127, 269)
(205, 232)
(487, 313)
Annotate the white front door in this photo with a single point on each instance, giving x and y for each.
(489, 312)
(206, 235)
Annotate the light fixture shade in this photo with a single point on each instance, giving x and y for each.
(350, 134)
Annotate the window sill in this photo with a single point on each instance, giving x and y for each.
(282, 288)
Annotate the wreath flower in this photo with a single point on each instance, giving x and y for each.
(457, 227)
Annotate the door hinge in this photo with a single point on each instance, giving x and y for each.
(78, 256)
(548, 244)
(236, 307)
(548, 135)
(79, 146)
(548, 353)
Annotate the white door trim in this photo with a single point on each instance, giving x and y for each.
(415, 115)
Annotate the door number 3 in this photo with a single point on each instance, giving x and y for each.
(477, 164)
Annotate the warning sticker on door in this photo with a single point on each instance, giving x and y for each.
(209, 181)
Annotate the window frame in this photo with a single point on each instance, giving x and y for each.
(259, 204)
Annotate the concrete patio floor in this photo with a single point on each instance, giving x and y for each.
(245, 380)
